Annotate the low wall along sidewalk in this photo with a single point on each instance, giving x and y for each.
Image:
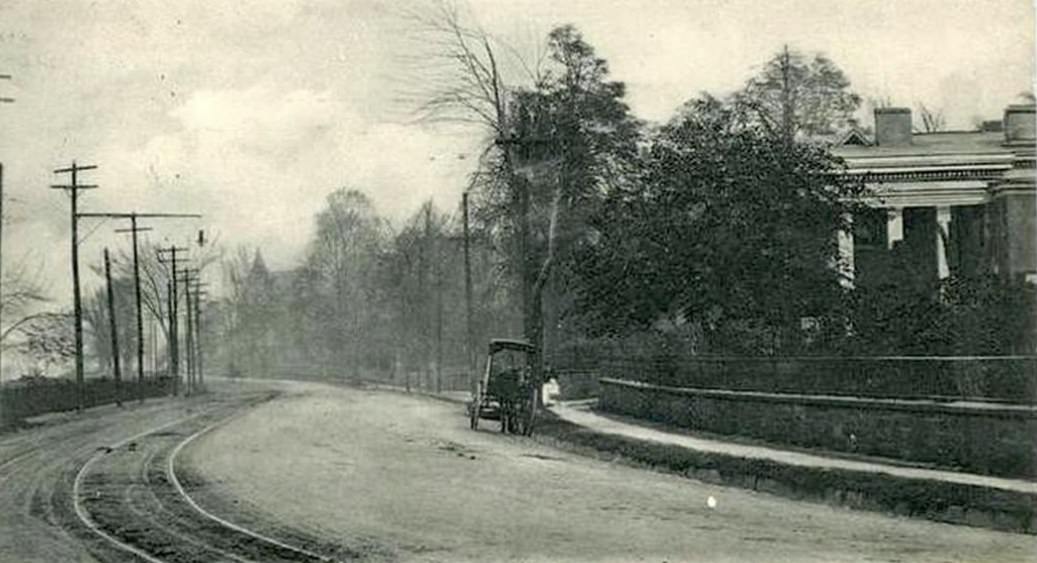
(20, 400)
(993, 439)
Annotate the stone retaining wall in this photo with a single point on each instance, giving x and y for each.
(993, 439)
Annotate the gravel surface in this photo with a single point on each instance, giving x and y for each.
(397, 477)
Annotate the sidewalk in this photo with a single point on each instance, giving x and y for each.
(582, 415)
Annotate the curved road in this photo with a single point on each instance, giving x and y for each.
(72, 480)
(382, 476)
(396, 477)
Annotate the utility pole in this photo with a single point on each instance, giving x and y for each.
(422, 279)
(174, 305)
(134, 229)
(199, 292)
(115, 332)
(468, 343)
(532, 320)
(152, 352)
(191, 287)
(438, 271)
(77, 306)
(189, 335)
(172, 337)
(8, 101)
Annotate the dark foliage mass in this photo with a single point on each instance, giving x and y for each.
(731, 228)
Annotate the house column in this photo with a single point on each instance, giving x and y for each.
(845, 240)
(894, 226)
(943, 223)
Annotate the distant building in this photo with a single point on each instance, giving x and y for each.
(947, 202)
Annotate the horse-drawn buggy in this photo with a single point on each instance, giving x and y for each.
(507, 390)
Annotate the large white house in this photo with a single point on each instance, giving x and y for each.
(956, 202)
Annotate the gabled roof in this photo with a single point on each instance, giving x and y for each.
(854, 137)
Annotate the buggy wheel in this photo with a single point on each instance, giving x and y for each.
(473, 409)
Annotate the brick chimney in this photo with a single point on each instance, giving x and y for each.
(892, 127)
(1020, 124)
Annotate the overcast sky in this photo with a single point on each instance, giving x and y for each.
(252, 111)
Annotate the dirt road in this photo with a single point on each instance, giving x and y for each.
(34, 474)
(73, 478)
(396, 477)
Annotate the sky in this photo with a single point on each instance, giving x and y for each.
(252, 112)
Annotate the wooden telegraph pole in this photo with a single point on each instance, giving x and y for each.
(115, 332)
(198, 295)
(2, 101)
(194, 288)
(192, 285)
(73, 189)
(133, 230)
(437, 269)
(468, 343)
(174, 305)
(171, 337)
(423, 275)
(189, 335)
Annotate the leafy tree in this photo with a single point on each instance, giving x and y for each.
(798, 95)
(342, 260)
(733, 229)
(575, 140)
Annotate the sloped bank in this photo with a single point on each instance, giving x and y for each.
(941, 501)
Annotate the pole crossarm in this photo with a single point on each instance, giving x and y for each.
(75, 168)
(130, 215)
(74, 187)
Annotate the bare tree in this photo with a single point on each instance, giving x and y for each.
(794, 94)
(22, 297)
(466, 83)
(933, 120)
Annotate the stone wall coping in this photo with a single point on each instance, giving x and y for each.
(961, 408)
(860, 359)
